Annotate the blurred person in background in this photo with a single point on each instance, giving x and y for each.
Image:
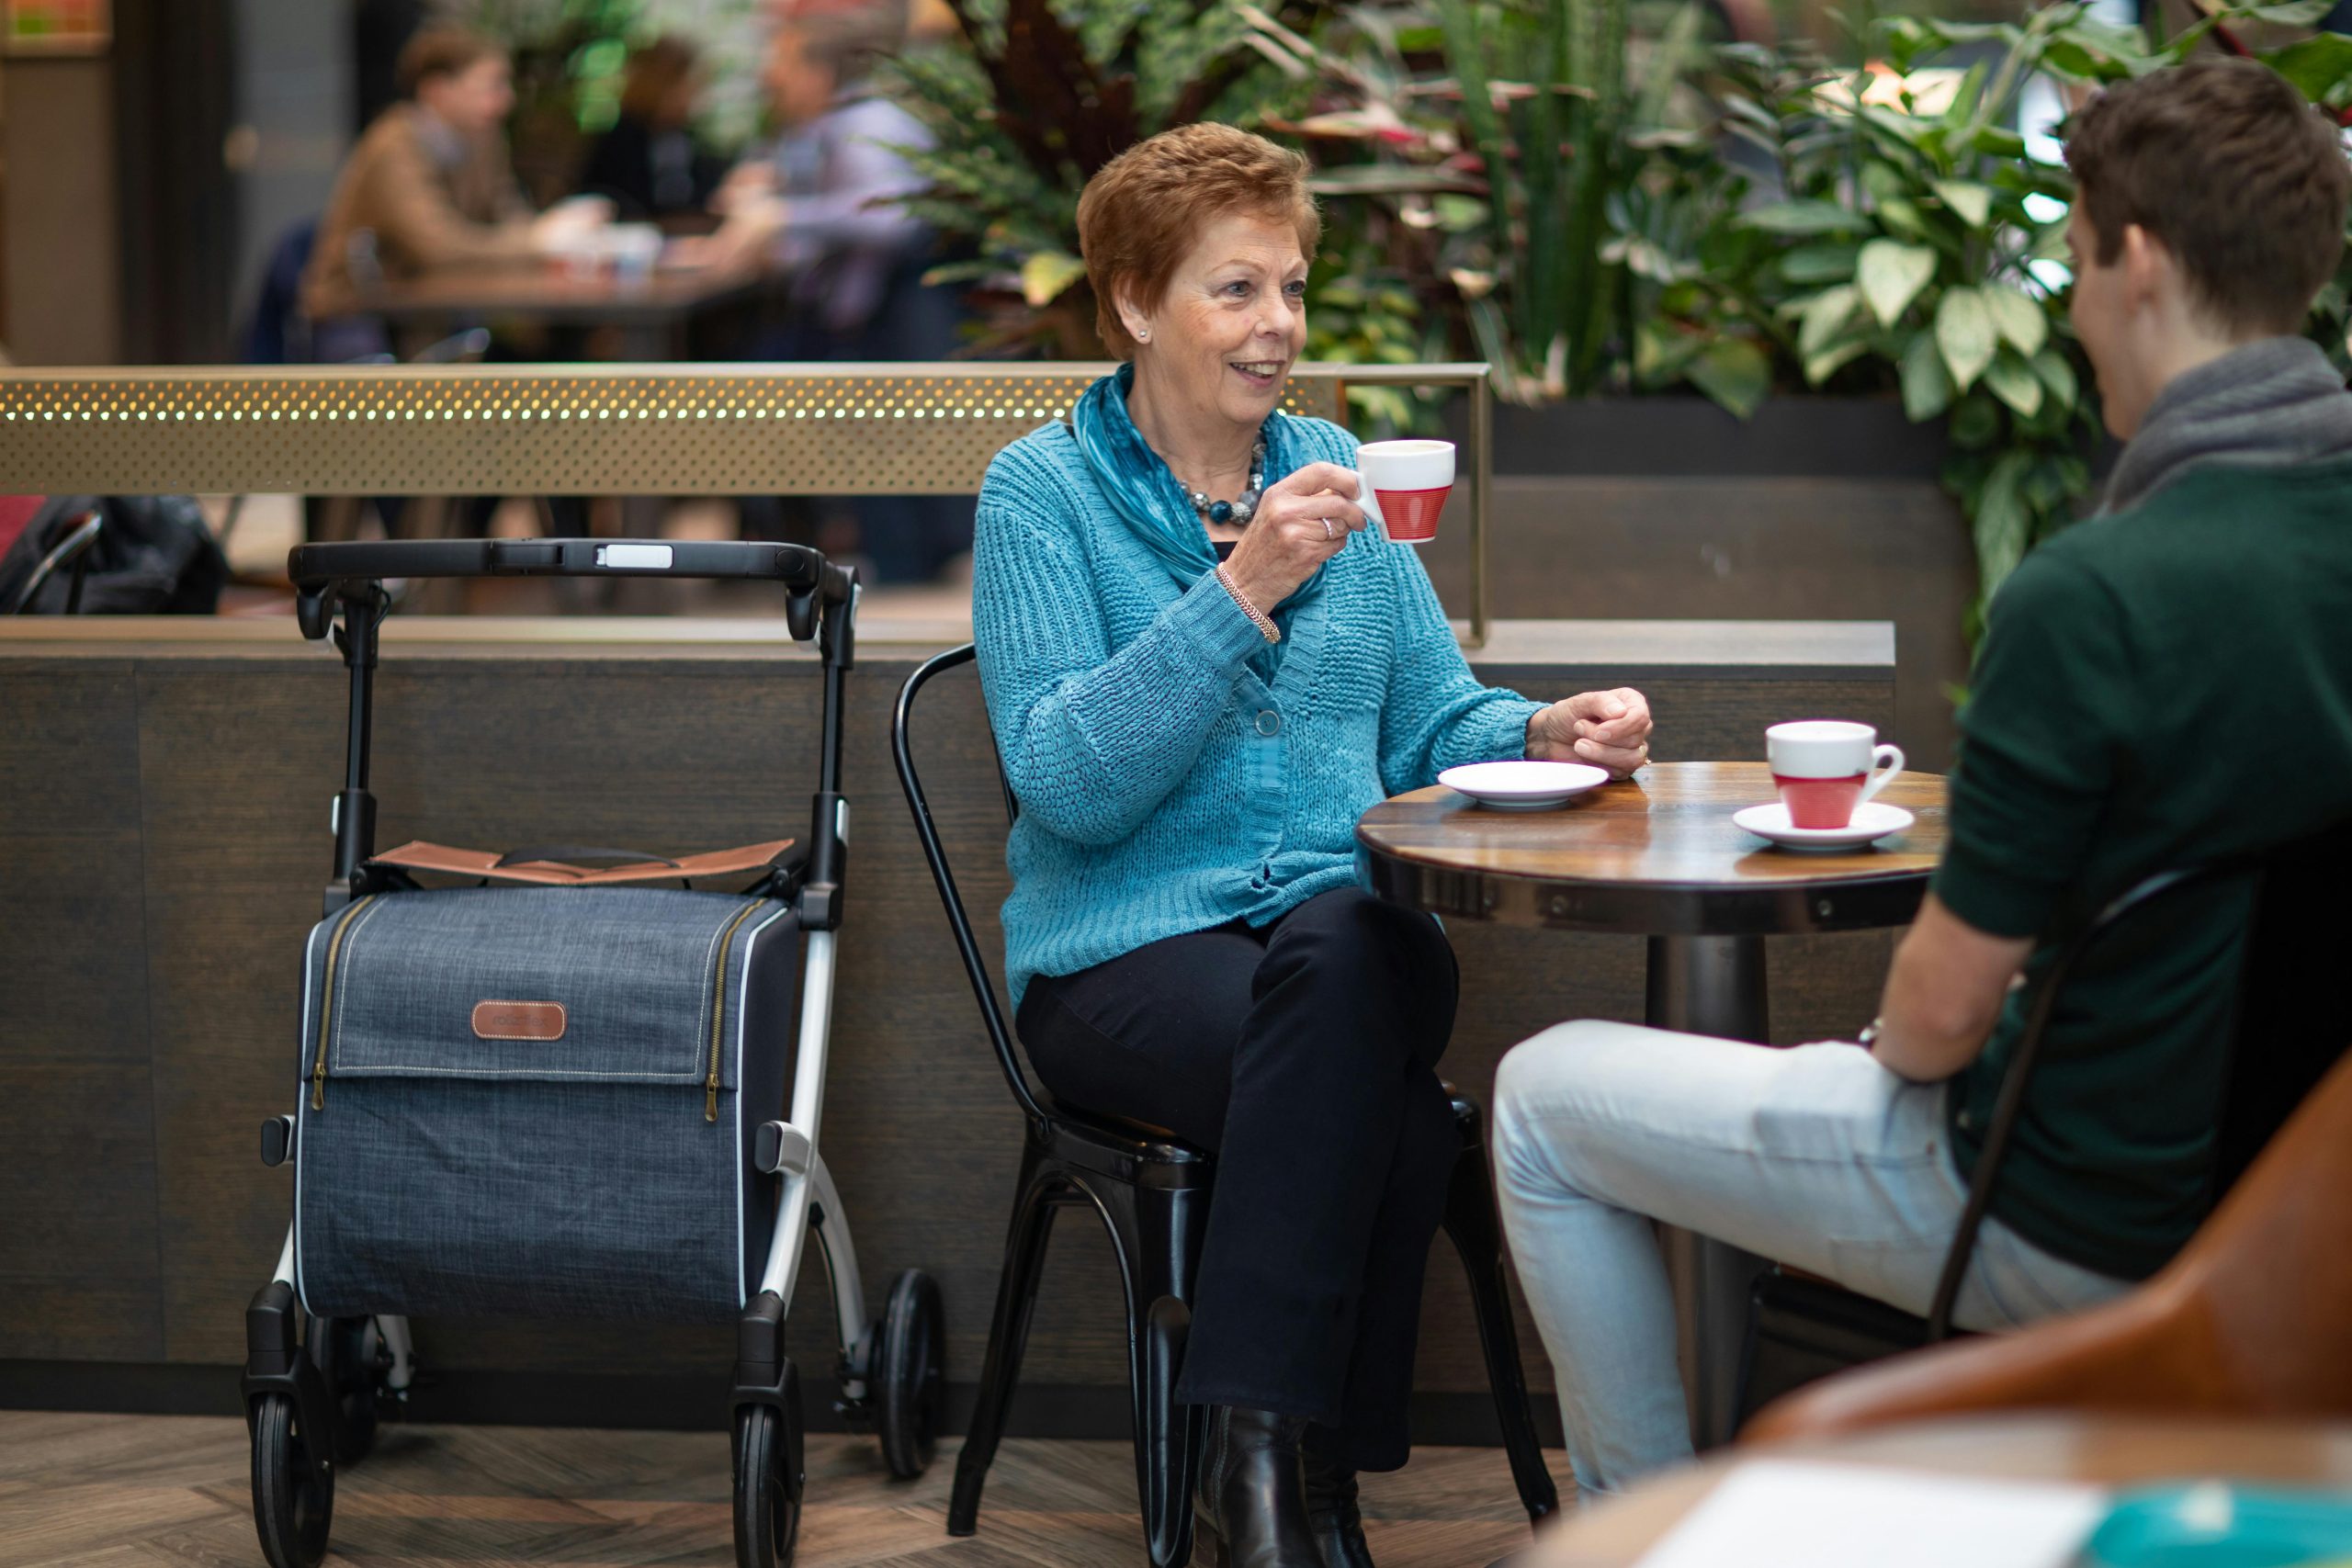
(824, 205)
(429, 187)
(650, 165)
(823, 200)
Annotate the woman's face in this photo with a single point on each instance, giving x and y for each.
(1232, 322)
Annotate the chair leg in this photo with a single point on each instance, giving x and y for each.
(1159, 1232)
(1471, 1221)
(1016, 1299)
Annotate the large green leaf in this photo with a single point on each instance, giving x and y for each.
(1826, 315)
(1827, 262)
(1926, 388)
(2057, 374)
(2019, 319)
(2012, 380)
(1964, 99)
(2294, 13)
(1806, 218)
(1734, 372)
(2317, 66)
(1965, 335)
(1901, 216)
(1820, 367)
(1968, 201)
(1890, 275)
(2003, 523)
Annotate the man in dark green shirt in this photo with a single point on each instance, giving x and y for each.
(2164, 685)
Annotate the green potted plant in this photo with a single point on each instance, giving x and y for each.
(1021, 111)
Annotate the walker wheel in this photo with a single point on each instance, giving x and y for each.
(293, 1487)
(351, 1356)
(910, 1374)
(769, 1469)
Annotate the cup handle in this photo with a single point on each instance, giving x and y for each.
(1371, 507)
(1892, 756)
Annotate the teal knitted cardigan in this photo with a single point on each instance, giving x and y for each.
(1176, 771)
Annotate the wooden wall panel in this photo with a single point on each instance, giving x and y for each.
(224, 783)
(79, 1275)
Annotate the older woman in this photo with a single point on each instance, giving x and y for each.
(1200, 668)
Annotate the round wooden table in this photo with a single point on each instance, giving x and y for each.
(1658, 856)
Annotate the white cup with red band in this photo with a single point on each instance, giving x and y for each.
(1826, 767)
(1405, 486)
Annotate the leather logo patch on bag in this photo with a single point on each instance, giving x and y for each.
(518, 1020)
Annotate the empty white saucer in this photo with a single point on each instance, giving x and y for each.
(1874, 820)
(1524, 786)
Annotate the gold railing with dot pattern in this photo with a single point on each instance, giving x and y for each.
(563, 430)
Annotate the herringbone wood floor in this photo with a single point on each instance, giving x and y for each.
(80, 1491)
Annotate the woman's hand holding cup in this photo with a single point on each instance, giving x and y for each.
(1299, 524)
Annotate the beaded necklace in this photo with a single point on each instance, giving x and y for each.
(1242, 507)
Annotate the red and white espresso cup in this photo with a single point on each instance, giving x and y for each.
(1827, 767)
(1405, 486)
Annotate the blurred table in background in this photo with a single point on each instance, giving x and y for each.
(652, 318)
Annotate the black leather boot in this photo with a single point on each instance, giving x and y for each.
(1331, 1512)
(1251, 1509)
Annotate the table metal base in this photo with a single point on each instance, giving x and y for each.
(1708, 985)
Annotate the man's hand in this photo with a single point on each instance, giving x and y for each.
(1944, 994)
(1608, 729)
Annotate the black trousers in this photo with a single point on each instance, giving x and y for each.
(1304, 1056)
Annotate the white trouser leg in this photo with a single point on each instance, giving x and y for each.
(1815, 1156)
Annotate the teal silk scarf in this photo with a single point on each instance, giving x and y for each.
(1148, 497)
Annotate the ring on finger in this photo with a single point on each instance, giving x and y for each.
(1330, 532)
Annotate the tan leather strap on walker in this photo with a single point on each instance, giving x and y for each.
(418, 855)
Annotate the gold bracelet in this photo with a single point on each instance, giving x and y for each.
(1266, 628)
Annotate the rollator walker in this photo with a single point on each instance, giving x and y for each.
(549, 1089)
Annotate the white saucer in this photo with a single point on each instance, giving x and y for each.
(1524, 786)
(1874, 820)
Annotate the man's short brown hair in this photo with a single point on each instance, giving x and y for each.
(1140, 213)
(2224, 161)
(442, 51)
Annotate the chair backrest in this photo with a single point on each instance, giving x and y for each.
(2294, 1012)
(2292, 1021)
(976, 966)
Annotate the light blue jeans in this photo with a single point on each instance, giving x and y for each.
(1815, 1156)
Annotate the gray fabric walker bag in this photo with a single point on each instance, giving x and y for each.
(541, 1101)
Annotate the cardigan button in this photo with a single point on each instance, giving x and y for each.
(1270, 723)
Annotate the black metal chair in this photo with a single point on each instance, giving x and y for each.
(1801, 1328)
(1152, 1193)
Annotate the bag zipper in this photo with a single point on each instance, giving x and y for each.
(719, 1007)
(326, 1003)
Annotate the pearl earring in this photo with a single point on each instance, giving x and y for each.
(1143, 336)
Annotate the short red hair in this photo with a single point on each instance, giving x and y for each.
(1141, 211)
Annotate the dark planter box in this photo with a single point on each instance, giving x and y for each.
(1687, 437)
(1669, 508)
